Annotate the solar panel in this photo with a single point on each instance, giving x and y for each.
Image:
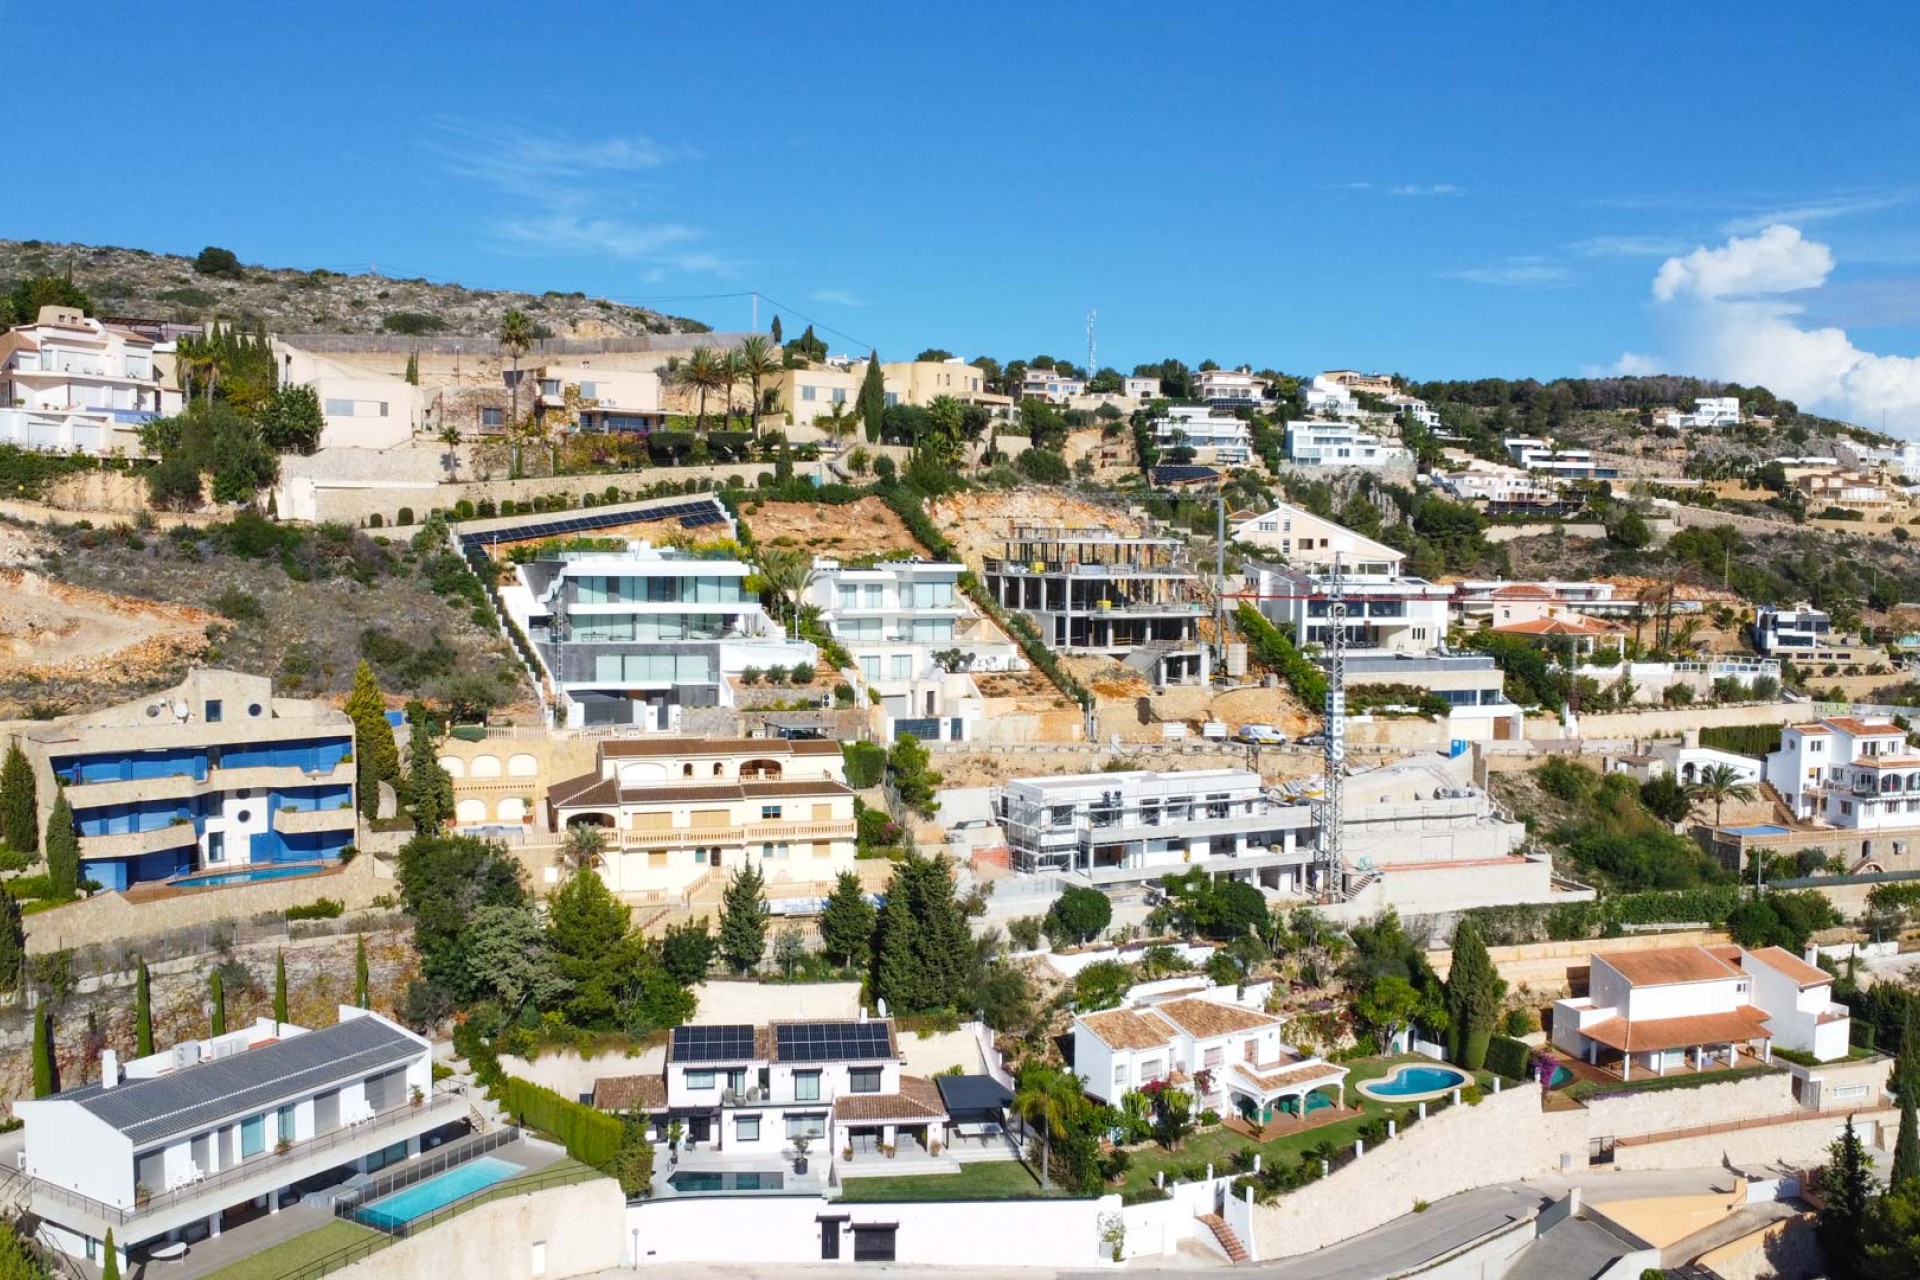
(1174, 473)
(727, 1043)
(832, 1041)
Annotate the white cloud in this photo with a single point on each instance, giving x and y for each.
(1426, 189)
(1517, 273)
(1723, 314)
(1627, 247)
(836, 298)
(1816, 211)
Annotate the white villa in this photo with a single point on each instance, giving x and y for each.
(1843, 771)
(75, 385)
(160, 1148)
(629, 637)
(1537, 455)
(1229, 387)
(1304, 539)
(1679, 1008)
(1708, 411)
(1385, 611)
(1217, 439)
(1340, 444)
(1230, 1055)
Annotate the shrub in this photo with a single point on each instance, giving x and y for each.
(591, 1137)
(319, 909)
(1521, 1022)
(223, 263)
(1274, 650)
(866, 764)
(1508, 1057)
(241, 606)
(404, 516)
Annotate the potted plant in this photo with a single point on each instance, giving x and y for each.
(142, 1193)
(283, 1146)
(846, 1154)
(887, 1151)
(419, 1095)
(800, 1147)
(676, 1130)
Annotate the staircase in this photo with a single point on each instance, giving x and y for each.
(1146, 658)
(1359, 885)
(1236, 1252)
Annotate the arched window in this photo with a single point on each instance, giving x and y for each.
(686, 771)
(719, 769)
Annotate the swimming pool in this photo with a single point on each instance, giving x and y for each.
(690, 1180)
(1410, 1083)
(1763, 829)
(249, 875)
(436, 1192)
(1559, 1077)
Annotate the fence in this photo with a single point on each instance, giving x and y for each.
(447, 1157)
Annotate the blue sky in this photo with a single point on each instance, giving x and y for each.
(1491, 191)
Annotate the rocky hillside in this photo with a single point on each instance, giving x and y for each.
(134, 283)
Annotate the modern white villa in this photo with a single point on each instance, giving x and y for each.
(1845, 771)
(1384, 611)
(1229, 1054)
(1307, 541)
(630, 637)
(215, 777)
(167, 1147)
(1698, 1008)
(1216, 438)
(74, 385)
(1340, 444)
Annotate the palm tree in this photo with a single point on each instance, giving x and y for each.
(702, 371)
(450, 437)
(516, 338)
(758, 360)
(733, 372)
(1045, 1099)
(584, 845)
(1686, 637)
(838, 422)
(786, 571)
(196, 360)
(1720, 783)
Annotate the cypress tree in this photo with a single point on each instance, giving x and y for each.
(110, 1264)
(775, 330)
(43, 1083)
(13, 944)
(743, 920)
(897, 976)
(142, 1013)
(1905, 1085)
(413, 367)
(846, 922)
(429, 788)
(1848, 1187)
(280, 987)
(1474, 992)
(360, 972)
(19, 803)
(376, 757)
(873, 398)
(63, 849)
(219, 988)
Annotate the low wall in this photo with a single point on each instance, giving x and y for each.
(1505, 1139)
(1629, 1114)
(110, 918)
(1786, 1250)
(1157, 1228)
(572, 1076)
(544, 1235)
(1671, 723)
(1797, 1142)
(786, 1229)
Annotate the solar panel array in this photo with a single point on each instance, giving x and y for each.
(692, 514)
(1174, 473)
(832, 1041)
(713, 1044)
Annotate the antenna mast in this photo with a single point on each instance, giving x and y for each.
(1091, 367)
(1332, 845)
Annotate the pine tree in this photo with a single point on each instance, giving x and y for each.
(376, 757)
(218, 986)
(110, 1264)
(63, 849)
(743, 920)
(280, 987)
(142, 1013)
(19, 803)
(1474, 993)
(873, 398)
(847, 921)
(429, 788)
(43, 1082)
(360, 972)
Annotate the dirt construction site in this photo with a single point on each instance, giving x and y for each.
(977, 523)
(868, 527)
(52, 634)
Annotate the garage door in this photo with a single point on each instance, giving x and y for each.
(874, 1243)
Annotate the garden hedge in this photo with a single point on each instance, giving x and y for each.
(1508, 1057)
(591, 1137)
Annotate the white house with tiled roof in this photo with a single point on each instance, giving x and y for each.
(1846, 771)
(1229, 1055)
(1697, 1008)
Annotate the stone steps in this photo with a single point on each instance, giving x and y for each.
(1236, 1252)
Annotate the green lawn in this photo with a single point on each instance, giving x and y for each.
(297, 1252)
(1218, 1145)
(987, 1180)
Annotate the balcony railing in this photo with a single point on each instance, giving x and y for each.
(444, 1108)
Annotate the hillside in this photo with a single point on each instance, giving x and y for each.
(137, 284)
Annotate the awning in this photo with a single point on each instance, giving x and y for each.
(974, 1099)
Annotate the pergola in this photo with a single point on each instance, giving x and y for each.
(1701, 1040)
(1257, 1090)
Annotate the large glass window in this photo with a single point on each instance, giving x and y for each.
(863, 1080)
(253, 1135)
(806, 1086)
(746, 1128)
(699, 1079)
(810, 1124)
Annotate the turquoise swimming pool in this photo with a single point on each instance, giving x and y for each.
(688, 1180)
(215, 879)
(1410, 1083)
(437, 1192)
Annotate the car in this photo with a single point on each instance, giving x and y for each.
(1260, 735)
(1315, 739)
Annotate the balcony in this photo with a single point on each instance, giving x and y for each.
(751, 833)
(134, 844)
(306, 821)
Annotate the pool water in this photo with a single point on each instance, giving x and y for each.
(1408, 1081)
(248, 876)
(1764, 829)
(1559, 1077)
(689, 1180)
(437, 1192)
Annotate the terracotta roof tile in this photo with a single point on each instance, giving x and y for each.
(1667, 966)
(1860, 728)
(1555, 627)
(630, 1093)
(1522, 591)
(588, 788)
(1292, 1078)
(1652, 1034)
(918, 1099)
(1127, 1029)
(1783, 961)
(1205, 1019)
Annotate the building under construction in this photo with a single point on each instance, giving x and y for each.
(1092, 591)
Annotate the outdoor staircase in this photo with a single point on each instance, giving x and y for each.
(1236, 1252)
(1146, 658)
(1359, 885)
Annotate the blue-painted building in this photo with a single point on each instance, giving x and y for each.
(216, 776)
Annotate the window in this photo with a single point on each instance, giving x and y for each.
(806, 1086)
(873, 1244)
(1120, 1080)
(700, 1079)
(216, 846)
(213, 711)
(746, 1128)
(768, 811)
(811, 1124)
(806, 393)
(839, 395)
(863, 1080)
(766, 851)
(253, 709)
(253, 1135)
(589, 391)
(284, 1131)
(493, 417)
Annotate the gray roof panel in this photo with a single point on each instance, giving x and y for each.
(194, 1098)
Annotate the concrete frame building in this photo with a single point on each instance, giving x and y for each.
(159, 1149)
(1094, 591)
(213, 776)
(682, 812)
(628, 637)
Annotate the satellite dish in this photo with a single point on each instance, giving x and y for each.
(179, 709)
(153, 709)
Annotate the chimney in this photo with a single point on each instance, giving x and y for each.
(109, 1068)
(1812, 956)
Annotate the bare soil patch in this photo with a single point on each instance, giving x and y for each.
(50, 631)
(978, 523)
(867, 527)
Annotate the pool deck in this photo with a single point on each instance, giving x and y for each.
(1285, 1126)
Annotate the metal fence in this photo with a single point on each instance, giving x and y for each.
(450, 1156)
